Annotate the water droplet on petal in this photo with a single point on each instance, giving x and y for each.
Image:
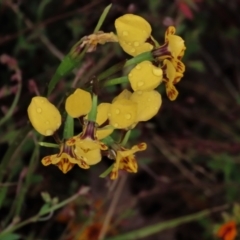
(133, 50)
(157, 72)
(39, 110)
(129, 44)
(136, 44)
(139, 92)
(149, 99)
(140, 83)
(128, 116)
(138, 67)
(49, 132)
(125, 33)
(115, 125)
(47, 122)
(117, 111)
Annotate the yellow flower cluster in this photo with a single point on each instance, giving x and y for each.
(86, 148)
(134, 36)
(125, 110)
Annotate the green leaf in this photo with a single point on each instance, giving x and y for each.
(68, 128)
(46, 197)
(45, 209)
(3, 192)
(11, 236)
(102, 18)
(41, 8)
(66, 66)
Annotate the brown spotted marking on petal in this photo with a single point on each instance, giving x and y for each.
(83, 164)
(103, 146)
(142, 146)
(85, 150)
(113, 175)
(64, 165)
(46, 161)
(181, 54)
(125, 160)
(172, 92)
(71, 141)
(170, 31)
(177, 78)
(180, 67)
(134, 164)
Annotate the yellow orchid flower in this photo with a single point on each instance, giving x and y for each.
(172, 75)
(149, 103)
(133, 32)
(44, 116)
(87, 146)
(134, 35)
(79, 103)
(125, 159)
(141, 105)
(122, 113)
(65, 159)
(145, 76)
(125, 94)
(172, 48)
(102, 117)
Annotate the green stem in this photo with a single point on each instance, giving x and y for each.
(116, 68)
(93, 113)
(17, 205)
(126, 137)
(110, 71)
(139, 58)
(68, 131)
(13, 106)
(106, 172)
(158, 227)
(116, 81)
(37, 216)
(22, 135)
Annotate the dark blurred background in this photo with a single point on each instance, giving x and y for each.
(192, 160)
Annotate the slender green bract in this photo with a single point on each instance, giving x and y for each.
(68, 128)
(72, 59)
(93, 113)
